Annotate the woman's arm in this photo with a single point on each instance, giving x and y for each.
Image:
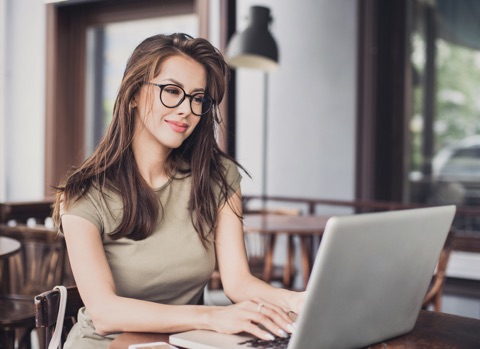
(109, 312)
(238, 283)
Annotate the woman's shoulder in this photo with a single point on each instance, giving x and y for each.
(227, 164)
(95, 196)
(230, 170)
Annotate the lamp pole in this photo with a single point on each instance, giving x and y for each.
(256, 48)
(265, 140)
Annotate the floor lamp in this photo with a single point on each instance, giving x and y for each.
(256, 48)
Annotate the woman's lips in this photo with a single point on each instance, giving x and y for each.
(179, 127)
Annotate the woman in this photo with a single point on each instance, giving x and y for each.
(148, 214)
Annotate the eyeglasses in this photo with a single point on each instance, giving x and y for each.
(172, 96)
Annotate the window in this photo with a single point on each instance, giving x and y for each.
(419, 73)
(444, 125)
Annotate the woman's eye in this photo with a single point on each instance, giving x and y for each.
(198, 99)
(172, 91)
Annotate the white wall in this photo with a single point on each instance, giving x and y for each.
(2, 103)
(311, 104)
(311, 101)
(22, 101)
(311, 109)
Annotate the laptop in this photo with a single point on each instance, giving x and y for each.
(370, 276)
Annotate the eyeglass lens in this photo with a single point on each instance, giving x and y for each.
(172, 95)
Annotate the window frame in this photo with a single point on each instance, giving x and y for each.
(383, 100)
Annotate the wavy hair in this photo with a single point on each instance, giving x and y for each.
(112, 165)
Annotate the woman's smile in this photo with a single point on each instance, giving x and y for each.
(168, 126)
(177, 126)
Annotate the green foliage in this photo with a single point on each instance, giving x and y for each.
(458, 93)
(457, 103)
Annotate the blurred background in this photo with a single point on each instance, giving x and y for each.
(372, 99)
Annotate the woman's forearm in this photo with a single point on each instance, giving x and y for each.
(120, 314)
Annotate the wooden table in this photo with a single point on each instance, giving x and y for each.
(8, 247)
(305, 227)
(432, 330)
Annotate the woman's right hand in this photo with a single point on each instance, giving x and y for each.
(257, 317)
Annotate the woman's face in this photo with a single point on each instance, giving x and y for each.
(158, 127)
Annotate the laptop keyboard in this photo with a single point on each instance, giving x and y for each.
(277, 343)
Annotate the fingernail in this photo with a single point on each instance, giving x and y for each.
(291, 327)
(282, 333)
(269, 337)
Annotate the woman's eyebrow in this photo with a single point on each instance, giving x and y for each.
(181, 85)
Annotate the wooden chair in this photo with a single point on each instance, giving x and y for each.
(46, 312)
(16, 321)
(16, 311)
(39, 266)
(21, 212)
(42, 262)
(435, 292)
(261, 248)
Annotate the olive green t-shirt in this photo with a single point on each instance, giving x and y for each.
(171, 266)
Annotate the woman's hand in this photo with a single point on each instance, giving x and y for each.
(258, 317)
(295, 301)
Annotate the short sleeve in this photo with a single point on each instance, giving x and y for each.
(233, 178)
(87, 207)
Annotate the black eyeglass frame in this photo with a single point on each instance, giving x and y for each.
(190, 97)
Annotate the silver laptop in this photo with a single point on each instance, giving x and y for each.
(368, 281)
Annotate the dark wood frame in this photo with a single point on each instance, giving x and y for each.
(22, 211)
(46, 312)
(382, 100)
(66, 28)
(227, 132)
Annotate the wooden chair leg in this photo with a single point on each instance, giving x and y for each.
(268, 266)
(7, 339)
(24, 339)
(41, 338)
(287, 271)
(438, 302)
(304, 246)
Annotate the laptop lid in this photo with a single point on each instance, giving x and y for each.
(367, 284)
(370, 276)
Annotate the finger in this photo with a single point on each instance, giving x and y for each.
(280, 318)
(258, 332)
(271, 322)
(278, 311)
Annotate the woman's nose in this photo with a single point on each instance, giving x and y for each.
(184, 107)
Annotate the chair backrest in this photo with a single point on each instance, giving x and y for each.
(435, 292)
(42, 262)
(46, 312)
(260, 250)
(21, 212)
(259, 245)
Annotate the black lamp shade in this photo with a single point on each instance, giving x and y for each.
(255, 47)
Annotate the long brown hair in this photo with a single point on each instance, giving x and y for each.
(112, 165)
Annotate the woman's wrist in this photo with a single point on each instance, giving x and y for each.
(206, 314)
(292, 300)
